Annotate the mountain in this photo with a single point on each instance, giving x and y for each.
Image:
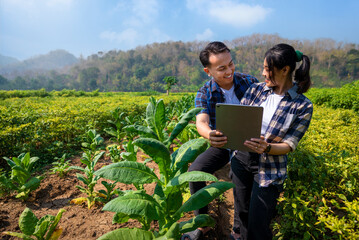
(5, 60)
(54, 60)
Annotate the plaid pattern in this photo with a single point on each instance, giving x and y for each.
(289, 123)
(210, 94)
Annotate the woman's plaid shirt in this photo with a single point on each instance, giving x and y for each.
(289, 123)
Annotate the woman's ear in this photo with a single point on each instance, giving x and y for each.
(285, 70)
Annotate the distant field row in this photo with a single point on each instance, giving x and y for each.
(47, 126)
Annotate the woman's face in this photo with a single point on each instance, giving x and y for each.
(271, 78)
(267, 74)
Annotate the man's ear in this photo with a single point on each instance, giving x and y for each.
(206, 71)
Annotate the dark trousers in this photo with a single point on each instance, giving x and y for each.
(254, 206)
(209, 161)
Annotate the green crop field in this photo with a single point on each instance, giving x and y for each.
(320, 200)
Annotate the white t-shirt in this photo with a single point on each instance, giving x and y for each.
(229, 96)
(269, 107)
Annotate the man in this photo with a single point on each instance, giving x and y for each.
(225, 86)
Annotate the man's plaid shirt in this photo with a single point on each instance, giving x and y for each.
(289, 123)
(210, 94)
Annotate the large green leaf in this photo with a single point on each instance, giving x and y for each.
(25, 161)
(19, 235)
(127, 234)
(128, 172)
(31, 163)
(27, 221)
(174, 201)
(120, 218)
(172, 233)
(204, 196)
(138, 203)
(111, 131)
(54, 224)
(157, 151)
(19, 174)
(182, 124)
(32, 184)
(196, 222)
(82, 178)
(96, 158)
(12, 162)
(141, 130)
(150, 114)
(76, 168)
(160, 118)
(194, 176)
(42, 226)
(187, 153)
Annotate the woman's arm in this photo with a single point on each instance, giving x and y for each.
(259, 145)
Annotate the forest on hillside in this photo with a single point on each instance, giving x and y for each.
(144, 68)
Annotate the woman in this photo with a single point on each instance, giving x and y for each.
(259, 175)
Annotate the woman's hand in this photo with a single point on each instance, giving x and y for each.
(258, 145)
(217, 139)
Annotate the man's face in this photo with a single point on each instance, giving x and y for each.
(221, 69)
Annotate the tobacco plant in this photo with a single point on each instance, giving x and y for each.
(93, 141)
(61, 167)
(21, 180)
(40, 229)
(117, 124)
(166, 204)
(157, 122)
(130, 153)
(114, 151)
(106, 195)
(89, 179)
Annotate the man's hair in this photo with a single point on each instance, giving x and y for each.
(212, 48)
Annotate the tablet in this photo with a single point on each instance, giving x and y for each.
(239, 123)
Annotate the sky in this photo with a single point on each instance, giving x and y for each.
(30, 28)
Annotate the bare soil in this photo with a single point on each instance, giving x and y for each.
(79, 222)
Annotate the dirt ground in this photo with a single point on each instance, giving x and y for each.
(78, 222)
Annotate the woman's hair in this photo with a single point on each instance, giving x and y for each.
(212, 48)
(282, 55)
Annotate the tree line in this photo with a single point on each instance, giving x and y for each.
(145, 67)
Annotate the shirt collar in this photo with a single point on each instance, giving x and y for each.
(292, 92)
(215, 86)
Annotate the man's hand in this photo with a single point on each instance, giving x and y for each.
(217, 139)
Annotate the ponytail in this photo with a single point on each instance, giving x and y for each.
(301, 75)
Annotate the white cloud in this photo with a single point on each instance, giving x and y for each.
(230, 12)
(139, 19)
(138, 12)
(155, 35)
(196, 5)
(57, 3)
(35, 5)
(128, 36)
(146, 10)
(206, 35)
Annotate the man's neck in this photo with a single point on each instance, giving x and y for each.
(227, 86)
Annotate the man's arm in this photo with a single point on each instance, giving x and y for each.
(216, 138)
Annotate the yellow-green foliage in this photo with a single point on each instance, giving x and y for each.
(50, 126)
(320, 199)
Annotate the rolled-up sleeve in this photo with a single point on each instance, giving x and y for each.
(201, 101)
(299, 126)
